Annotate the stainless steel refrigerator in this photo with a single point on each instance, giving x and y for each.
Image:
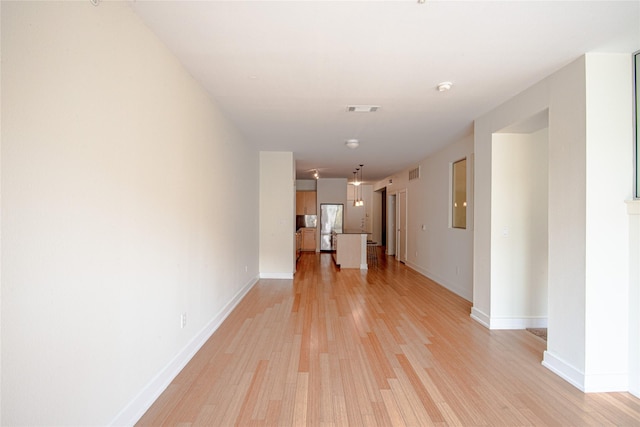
(331, 219)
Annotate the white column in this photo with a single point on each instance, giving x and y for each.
(633, 208)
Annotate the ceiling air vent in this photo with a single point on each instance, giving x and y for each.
(414, 173)
(362, 108)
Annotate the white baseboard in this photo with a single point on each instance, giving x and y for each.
(440, 281)
(564, 370)
(143, 401)
(587, 383)
(517, 322)
(480, 317)
(364, 266)
(507, 322)
(276, 275)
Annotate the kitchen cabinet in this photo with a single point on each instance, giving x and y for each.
(308, 239)
(306, 203)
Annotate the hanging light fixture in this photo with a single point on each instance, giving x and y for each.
(356, 186)
(359, 201)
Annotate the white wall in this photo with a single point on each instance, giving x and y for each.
(609, 182)
(438, 251)
(567, 172)
(589, 179)
(633, 208)
(533, 101)
(118, 214)
(277, 215)
(519, 249)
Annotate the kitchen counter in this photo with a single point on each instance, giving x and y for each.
(350, 250)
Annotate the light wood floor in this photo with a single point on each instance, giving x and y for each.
(384, 347)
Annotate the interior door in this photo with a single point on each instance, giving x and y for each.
(402, 226)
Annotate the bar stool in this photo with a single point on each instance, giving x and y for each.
(372, 253)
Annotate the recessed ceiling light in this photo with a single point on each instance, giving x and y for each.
(444, 86)
(352, 143)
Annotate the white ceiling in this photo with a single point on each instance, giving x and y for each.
(284, 71)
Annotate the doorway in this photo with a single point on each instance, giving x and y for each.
(383, 215)
(519, 206)
(401, 239)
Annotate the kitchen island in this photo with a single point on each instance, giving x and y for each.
(350, 250)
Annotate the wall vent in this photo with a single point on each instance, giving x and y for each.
(414, 173)
(362, 108)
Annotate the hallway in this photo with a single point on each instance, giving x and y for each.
(382, 347)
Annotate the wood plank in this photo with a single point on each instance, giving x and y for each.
(385, 347)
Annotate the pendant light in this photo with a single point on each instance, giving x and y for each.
(359, 201)
(355, 189)
(357, 184)
(361, 187)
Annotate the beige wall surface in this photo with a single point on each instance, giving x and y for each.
(589, 176)
(277, 215)
(609, 182)
(519, 214)
(434, 248)
(117, 215)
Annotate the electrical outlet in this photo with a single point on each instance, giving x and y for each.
(246, 269)
(183, 320)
